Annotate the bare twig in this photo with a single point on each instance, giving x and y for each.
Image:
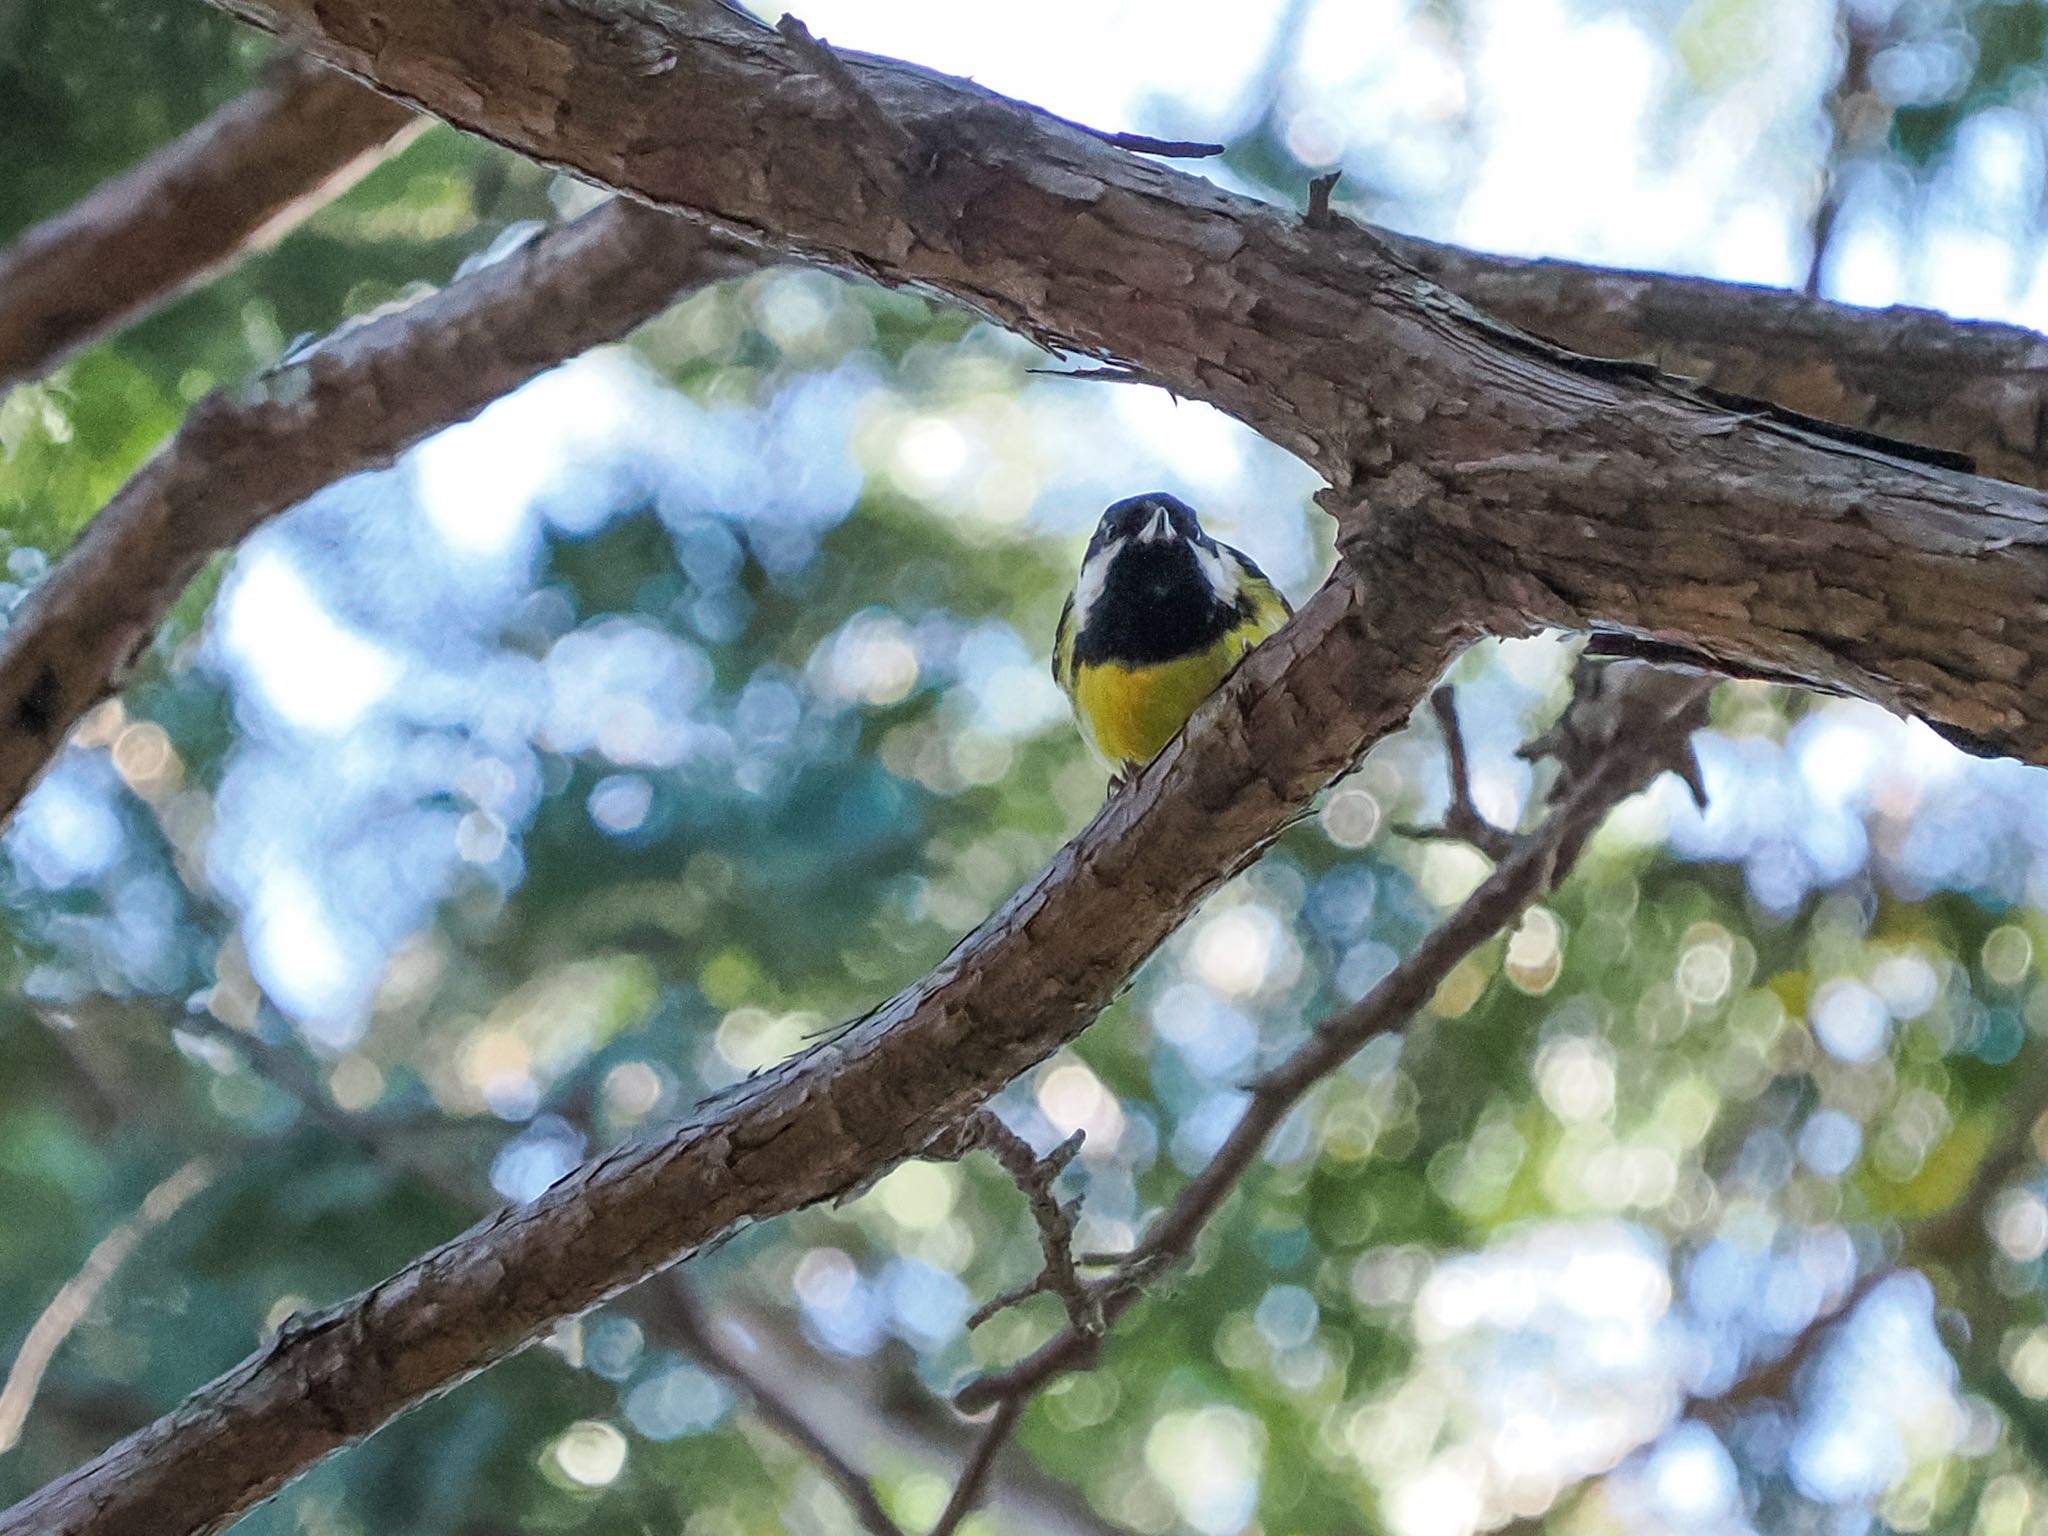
(699, 1336)
(234, 183)
(1462, 819)
(967, 1492)
(823, 61)
(1093, 375)
(1319, 215)
(1646, 731)
(75, 1298)
(1145, 144)
(1035, 1176)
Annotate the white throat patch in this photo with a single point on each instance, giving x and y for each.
(1221, 574)
(1094, 575)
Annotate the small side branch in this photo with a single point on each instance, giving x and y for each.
(821, 60)
(1319, 215)
(1169, 149)
(1035, 1176)
(697, 1335)
(1462, 820)
(75, 1298)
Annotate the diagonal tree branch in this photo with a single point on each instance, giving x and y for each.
(353, 403)
(1297, 712)
(694, 1330)
(674, 1316)
(233, 184)
(1545, 486)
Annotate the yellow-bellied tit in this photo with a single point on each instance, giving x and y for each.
(1160, 615)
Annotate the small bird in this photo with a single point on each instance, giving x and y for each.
(1159, 616)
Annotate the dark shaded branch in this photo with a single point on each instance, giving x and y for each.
(353, 403)
(233, 184)
(974, 1477)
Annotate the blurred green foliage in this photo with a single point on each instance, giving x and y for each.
(745, 740)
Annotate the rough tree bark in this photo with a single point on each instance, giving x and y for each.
(234, 183)
(1031, 977)
(1974, 387)
(1553, 489)
(372, 392)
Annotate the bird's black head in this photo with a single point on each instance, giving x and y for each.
(1148, 519)
(1153, 586)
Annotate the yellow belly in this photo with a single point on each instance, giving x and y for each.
(1129, 713)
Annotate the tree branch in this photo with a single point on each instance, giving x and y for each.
(352, 403)
(697, 1334)
(1461, 817)
(1298, 711)
(1555, 488)
(1972, 386)
(233, 184)
(75, 1298)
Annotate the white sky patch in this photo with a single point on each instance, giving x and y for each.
(1134, 54)
(65, 832)
(477, 482)
(299, 959)
(1198, 440)
(311, 670)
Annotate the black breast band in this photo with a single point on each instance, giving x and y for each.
(1154, 607)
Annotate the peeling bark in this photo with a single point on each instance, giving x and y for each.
(1030, 978)
(353, 404)
(233, 184)
(1577, 492)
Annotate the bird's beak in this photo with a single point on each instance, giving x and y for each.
(1161, 527)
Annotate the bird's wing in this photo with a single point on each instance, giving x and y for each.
(1063, 648)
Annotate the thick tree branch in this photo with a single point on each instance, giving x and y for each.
(353, 403)
(234, 183)
(1974, 387)
(1302, 707)
(1560, 489)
